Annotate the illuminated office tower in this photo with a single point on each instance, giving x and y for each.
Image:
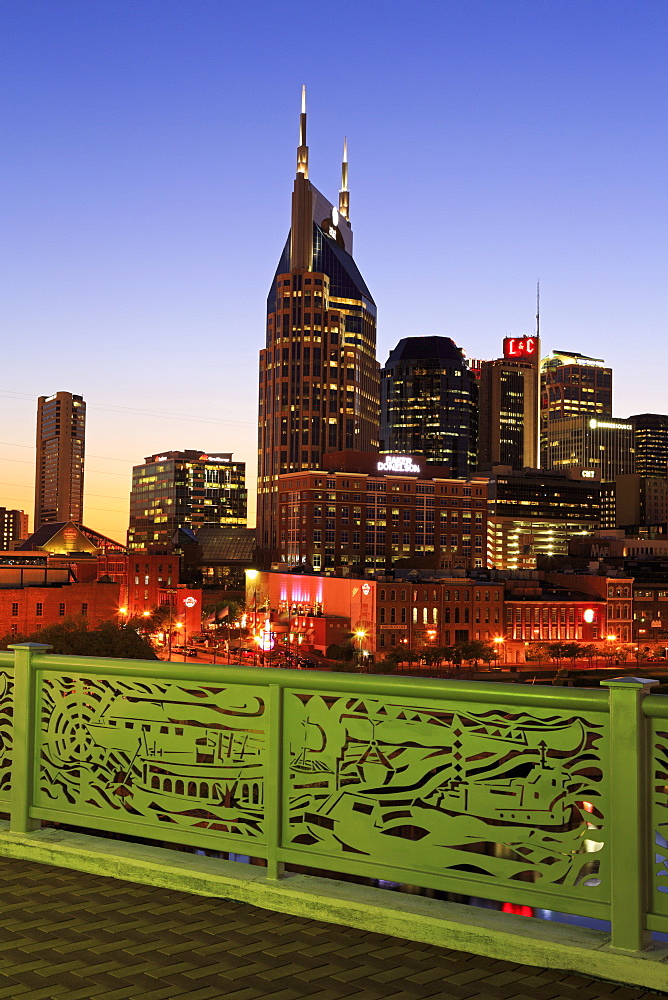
(571, 385)
(319, 378)
(534, 514)
(508, 419)
(602, 448)
(429, 404)
(179, 490)
(651, 444)
(59, 474)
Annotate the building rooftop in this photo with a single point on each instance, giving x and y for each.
(441, 349)
(226, 545)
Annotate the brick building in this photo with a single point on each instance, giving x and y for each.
(147, 578)
(616, 592)
(30, 609)
(438, 612)
(368, 511)
(537, 612)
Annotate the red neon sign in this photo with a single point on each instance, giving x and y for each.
(520, 347)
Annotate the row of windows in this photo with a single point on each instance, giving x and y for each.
(463, 595)
(383, 486)
(456, 616)
(39, 609)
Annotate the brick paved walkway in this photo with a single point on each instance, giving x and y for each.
(65, 934)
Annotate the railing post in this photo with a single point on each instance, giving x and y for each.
(23, 751)
(628, 823)
(273, 800)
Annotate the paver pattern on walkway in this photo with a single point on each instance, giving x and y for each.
(69, 935)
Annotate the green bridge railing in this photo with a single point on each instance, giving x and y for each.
(550, 797)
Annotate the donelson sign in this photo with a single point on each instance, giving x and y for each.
(398, 463)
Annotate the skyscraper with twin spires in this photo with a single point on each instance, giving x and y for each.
(319, 378)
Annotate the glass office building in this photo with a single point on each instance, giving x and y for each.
(179, 490)
(651, 443)
(429, 404)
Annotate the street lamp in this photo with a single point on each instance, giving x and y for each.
(500, 644)
(252, 574)
(641, 631)
(360, 634)
(610, 639)
(177, 626)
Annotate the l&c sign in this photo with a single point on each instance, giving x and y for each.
(520, 347)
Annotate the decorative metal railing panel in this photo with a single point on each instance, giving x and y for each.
(144, 754)
(526, 795)
(659, 814)
(464, 792)
(6, 732)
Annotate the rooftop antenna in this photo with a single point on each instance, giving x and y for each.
(538, 309)
(302, 149)
(344, 194)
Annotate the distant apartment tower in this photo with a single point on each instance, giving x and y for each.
(571, 384)
(184, 490)
(602, 447)
(508, 418)
(59, 475)
(651, 444)
(429, 404)
(13, 527)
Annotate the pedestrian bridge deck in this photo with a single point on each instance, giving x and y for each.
(78, 936)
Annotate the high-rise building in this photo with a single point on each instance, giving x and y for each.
(535, 513)
(319, 378)
(59, 476)
(179, 490)
(603, 448)
(429, 404)
(13, 527)
(571, 384)
(508, 420)
(640, 501)
(651, 443)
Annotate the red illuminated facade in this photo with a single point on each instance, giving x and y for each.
(557, 618)
(615, 592)
(311, 612)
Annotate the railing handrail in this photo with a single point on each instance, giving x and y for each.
(580, 699)
(655, 706)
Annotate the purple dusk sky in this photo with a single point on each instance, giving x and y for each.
(149, 159)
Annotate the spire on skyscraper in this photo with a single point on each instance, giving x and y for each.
(344, 194)
(302, 149)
